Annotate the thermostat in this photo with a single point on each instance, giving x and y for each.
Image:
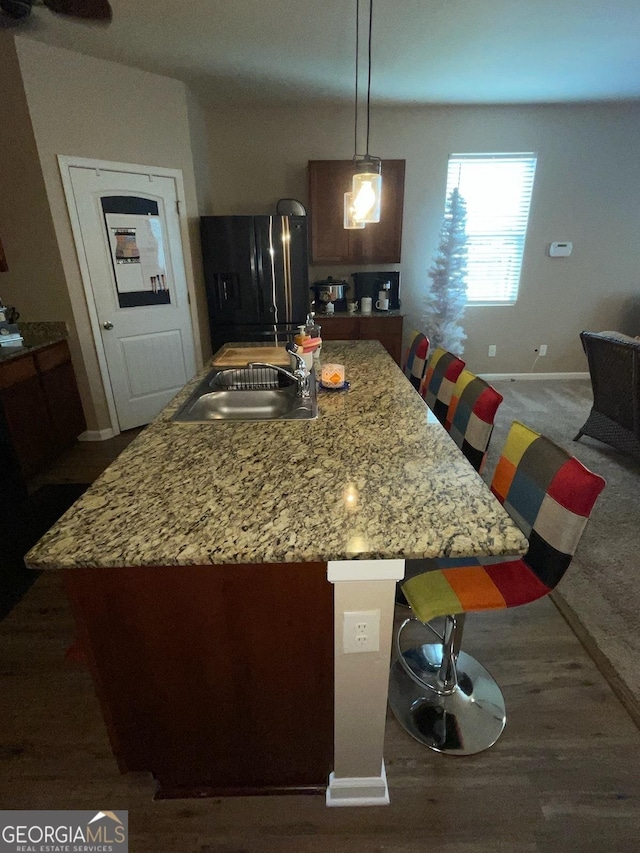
(560, 250)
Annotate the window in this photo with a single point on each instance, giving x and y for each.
(497, 191)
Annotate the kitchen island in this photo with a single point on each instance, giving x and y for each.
(210, 565)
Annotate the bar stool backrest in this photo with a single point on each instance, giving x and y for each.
(439, 381)
(415, 359)
(549, 494)
(471, 416)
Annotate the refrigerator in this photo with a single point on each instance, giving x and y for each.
(256, 277)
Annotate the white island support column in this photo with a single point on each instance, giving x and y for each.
(361, 683)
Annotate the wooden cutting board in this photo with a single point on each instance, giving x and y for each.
(239, 356)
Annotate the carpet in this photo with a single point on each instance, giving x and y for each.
(600, 594)
(22, 525)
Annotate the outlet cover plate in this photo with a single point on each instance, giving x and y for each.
(361, 631)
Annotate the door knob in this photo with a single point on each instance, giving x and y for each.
(107, 325)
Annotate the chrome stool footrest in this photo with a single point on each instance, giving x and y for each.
(460, 716)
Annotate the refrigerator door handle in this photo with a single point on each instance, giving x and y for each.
(286, 264)
(258, 266)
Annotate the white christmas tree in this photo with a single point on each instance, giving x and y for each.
(447, 295)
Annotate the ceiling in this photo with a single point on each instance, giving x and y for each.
(424, 51)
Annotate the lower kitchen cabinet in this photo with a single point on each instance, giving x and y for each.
(387, 330)
(216, 679)
(42, 409)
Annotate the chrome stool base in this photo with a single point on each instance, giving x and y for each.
(467, 719)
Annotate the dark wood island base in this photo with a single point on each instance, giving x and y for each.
(219, 679)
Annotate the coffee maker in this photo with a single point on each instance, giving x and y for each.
(372, 283)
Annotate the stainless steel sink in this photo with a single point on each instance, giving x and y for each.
(247, 394)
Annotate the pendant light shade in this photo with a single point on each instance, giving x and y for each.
(350, 222)
(367, 190)
(362, 204)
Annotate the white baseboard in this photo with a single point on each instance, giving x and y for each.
(491, 377)
(358, 790)
(96, 435)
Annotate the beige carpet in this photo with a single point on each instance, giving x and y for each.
(600, 594)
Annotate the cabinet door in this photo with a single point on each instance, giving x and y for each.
(64, 405)
(376, 243)
(58, 382)
(339, 328)
(26, 414)
(387, 330)
(329, 180)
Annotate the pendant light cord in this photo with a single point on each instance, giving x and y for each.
(369, 73)
(355, 139)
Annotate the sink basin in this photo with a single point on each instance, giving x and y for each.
(247, 394)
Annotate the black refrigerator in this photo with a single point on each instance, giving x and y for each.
(256, 277)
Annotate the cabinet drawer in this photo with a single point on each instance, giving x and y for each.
(52, 356)
(17, 371)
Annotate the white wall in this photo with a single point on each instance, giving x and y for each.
(87, 107)
(587, 190)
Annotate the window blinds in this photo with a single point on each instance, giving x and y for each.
(497, 190)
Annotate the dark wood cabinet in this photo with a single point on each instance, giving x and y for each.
(210, 697)
(330, 243)
(387, 330)
(42, 408)
(26, 414)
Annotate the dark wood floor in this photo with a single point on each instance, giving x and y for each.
(562, 779)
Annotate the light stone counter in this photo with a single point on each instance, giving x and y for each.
(36, 335)
(369, 479)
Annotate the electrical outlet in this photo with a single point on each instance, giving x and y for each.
(542, 349)
(361, 631)
(492, 350)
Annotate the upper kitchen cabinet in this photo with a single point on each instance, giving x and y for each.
(330, 242)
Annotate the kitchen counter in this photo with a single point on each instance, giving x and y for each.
(319, 317)
(371, 478)
(213, 565)
(36, 336)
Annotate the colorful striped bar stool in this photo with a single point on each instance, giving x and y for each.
(470, 416)
(415, 359)
(440, 695)
(439, 381)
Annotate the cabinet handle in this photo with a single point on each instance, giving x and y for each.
(107, 325)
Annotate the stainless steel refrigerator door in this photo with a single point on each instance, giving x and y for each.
(282, 267)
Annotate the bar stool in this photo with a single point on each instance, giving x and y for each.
(471, 415)
(440, 695)
(415, 362)
(439, 381)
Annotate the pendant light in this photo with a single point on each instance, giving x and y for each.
(350, 223)
(367, 181)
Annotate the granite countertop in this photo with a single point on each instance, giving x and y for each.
(319, 316)
(373, 477)
(36, 336)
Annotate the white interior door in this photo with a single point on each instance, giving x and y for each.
(129, 237)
